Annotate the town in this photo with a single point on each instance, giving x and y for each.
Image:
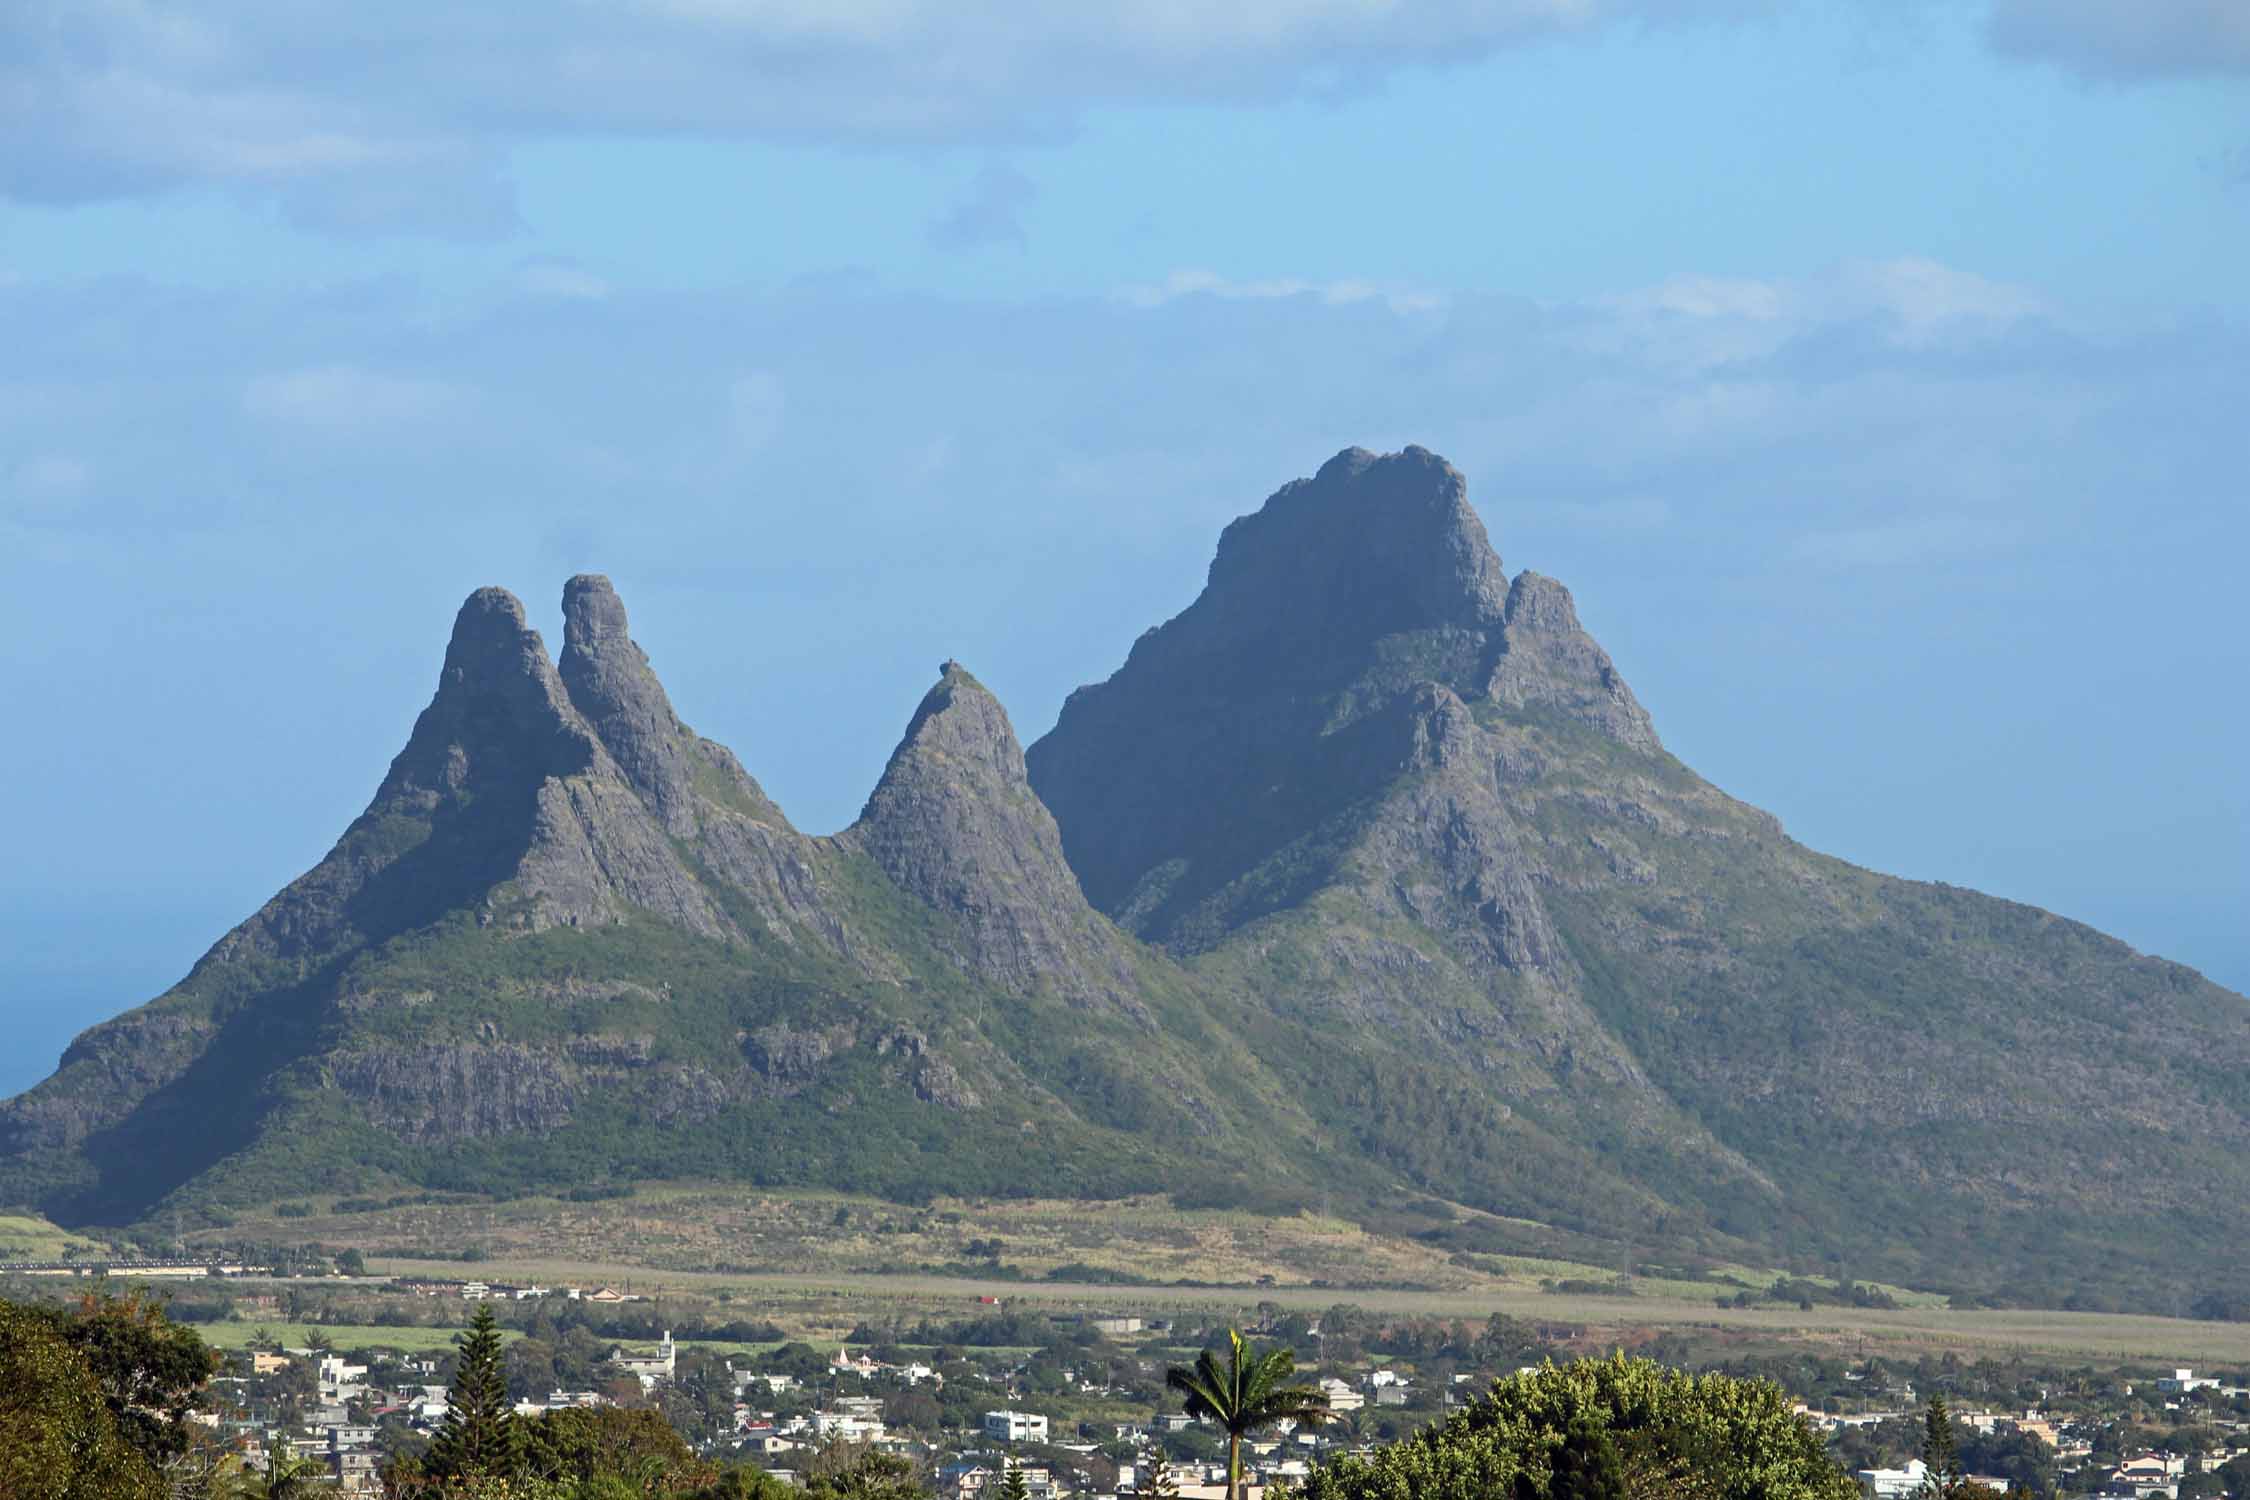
(1075, 1404)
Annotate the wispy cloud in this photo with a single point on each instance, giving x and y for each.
(395, 116)
(1336, 293)
(347, 401)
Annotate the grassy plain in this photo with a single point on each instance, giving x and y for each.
(820, 1263)
(824, 1305)
(689, 1227)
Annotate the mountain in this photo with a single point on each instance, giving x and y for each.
(1365, 876)
(1414, 807)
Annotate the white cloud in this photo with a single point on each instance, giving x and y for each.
(1927, 299)
(1693, 322)
(393, 115)
(348, 401)
(1339, 293)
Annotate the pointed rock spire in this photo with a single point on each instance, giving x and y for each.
(502, 783)
(954, 822)
(499, 715)
(609, 680)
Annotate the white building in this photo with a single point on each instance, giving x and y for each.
(1904, 1484)
(2183, 1380)
(649, 1369)
(1342, 1395)
(340, 1381)
(848, 1426)
(1895, 1484)
(1016, 1426)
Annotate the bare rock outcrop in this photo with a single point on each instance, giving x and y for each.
(954, 823)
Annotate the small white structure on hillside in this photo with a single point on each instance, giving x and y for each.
(1016, 1426)
(647, 1369)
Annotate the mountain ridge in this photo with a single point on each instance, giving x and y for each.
(1367, 874)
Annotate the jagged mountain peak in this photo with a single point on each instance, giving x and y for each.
(960, 719)
(677, 772)
(954, 822)
(592, 612)
(1369, 546)
(1283, 696)
(1548, 660)
(499, 711)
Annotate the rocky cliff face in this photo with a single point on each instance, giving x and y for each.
(1227, 768)
(504, 799)
(695, 789)
(677, 772)
(1431, 802)
(954, 822)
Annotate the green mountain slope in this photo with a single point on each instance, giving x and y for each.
(1366, 875)
(571, 941)
(1539, 966)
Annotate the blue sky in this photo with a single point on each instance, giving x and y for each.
(1873, 373)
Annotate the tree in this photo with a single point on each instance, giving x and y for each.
(1245, 1395)
(58, 1437)
(480, 1435)
(1706, 1436)
(1161, 1485)
(1012, 1486)
(587, 1443)
(1941, 1455)
(293, 1477)
(845, 1471)
(150, 1369)
(1585, 1466)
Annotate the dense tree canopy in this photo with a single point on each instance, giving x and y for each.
(1598, 1428)
(59, 1439)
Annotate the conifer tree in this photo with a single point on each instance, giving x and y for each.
(1012, 1486)
(1940, 1457)
(1161, 1485)
(479, 1435)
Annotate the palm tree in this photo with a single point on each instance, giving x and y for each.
(1245, 1395)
